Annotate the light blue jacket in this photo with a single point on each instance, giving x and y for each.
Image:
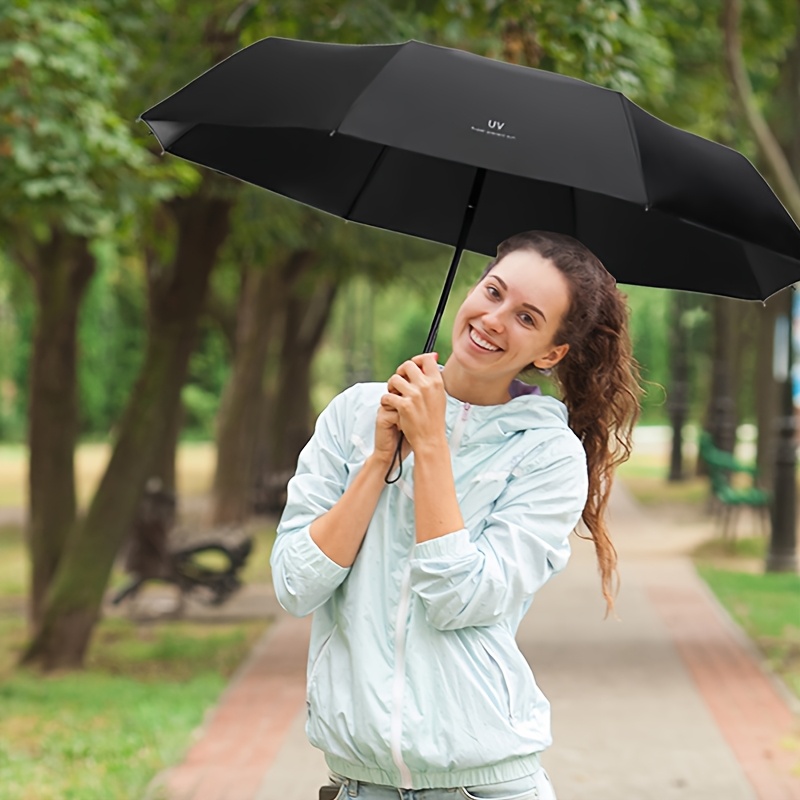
(414, 677)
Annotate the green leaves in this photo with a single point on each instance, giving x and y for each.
(70, 157)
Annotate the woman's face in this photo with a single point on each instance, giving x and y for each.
(509, 320)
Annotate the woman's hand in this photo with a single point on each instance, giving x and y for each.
(416, 402)
(387, 435)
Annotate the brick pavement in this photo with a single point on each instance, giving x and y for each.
(246, 730)
(670, 700)
(752, 714)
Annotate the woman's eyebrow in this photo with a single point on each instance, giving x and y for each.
(526, 305)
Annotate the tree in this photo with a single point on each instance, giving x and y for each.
(783, 545)
(242, 421)
(177, 279)
(74, 599)
(62, 187)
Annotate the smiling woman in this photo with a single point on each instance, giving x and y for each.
(507, 323)
(418, 586)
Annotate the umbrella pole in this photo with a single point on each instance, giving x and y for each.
(430, 342)
(466, 224)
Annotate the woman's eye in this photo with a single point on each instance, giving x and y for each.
(527, 319)
(492, 291)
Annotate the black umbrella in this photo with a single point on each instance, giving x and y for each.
(465, 150)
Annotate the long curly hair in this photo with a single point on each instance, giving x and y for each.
(598, 377)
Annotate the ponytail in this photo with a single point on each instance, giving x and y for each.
(598, 377)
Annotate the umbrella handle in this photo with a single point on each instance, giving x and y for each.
(430, 342)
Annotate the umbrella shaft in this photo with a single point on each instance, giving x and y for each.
(466, 223)
(430, 342)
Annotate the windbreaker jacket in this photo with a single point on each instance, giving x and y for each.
(414, 677)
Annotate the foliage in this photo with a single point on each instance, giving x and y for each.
(16, 324)
(107, 731)
(69, 158)
(111, 340)
(610, 43)
(699, 98)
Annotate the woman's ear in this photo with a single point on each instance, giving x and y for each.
(552, 358)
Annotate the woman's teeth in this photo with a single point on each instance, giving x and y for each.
(480, 341)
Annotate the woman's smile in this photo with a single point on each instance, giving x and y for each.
(483, 344)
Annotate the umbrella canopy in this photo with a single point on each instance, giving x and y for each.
(465, 150)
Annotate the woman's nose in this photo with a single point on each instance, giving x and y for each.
(493, 321)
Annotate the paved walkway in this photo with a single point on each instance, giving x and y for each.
(668, 700)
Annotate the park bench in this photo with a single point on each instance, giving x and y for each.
(202, 563)
(729, 495)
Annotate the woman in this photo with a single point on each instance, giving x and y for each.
(418, 587)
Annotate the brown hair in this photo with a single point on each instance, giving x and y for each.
(598, 377)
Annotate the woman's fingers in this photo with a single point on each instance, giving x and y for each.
(389, 402)
(398, 384)
(428, 363)
(422, 366)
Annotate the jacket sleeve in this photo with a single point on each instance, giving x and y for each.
(303, 576)
(464, 582)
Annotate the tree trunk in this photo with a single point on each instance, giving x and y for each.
(767, 397)
(238, 418)
(722, 414)
(290, 422)
(678, 398)
(164, 466)
(73, 604)
(293, 413)
(61, 271)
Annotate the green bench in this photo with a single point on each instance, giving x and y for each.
(729, 497)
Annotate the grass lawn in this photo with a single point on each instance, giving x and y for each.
(105, 732)
(645, 476)
(767, 606)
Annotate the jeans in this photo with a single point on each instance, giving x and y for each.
(531, 787)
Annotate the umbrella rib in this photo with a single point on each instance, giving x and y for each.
(635, 144)
(373, 169)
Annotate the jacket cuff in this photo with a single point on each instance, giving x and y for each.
(451, 545)
(314, 560)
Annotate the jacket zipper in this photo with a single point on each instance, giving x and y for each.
(458, 427)
(399, 678)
